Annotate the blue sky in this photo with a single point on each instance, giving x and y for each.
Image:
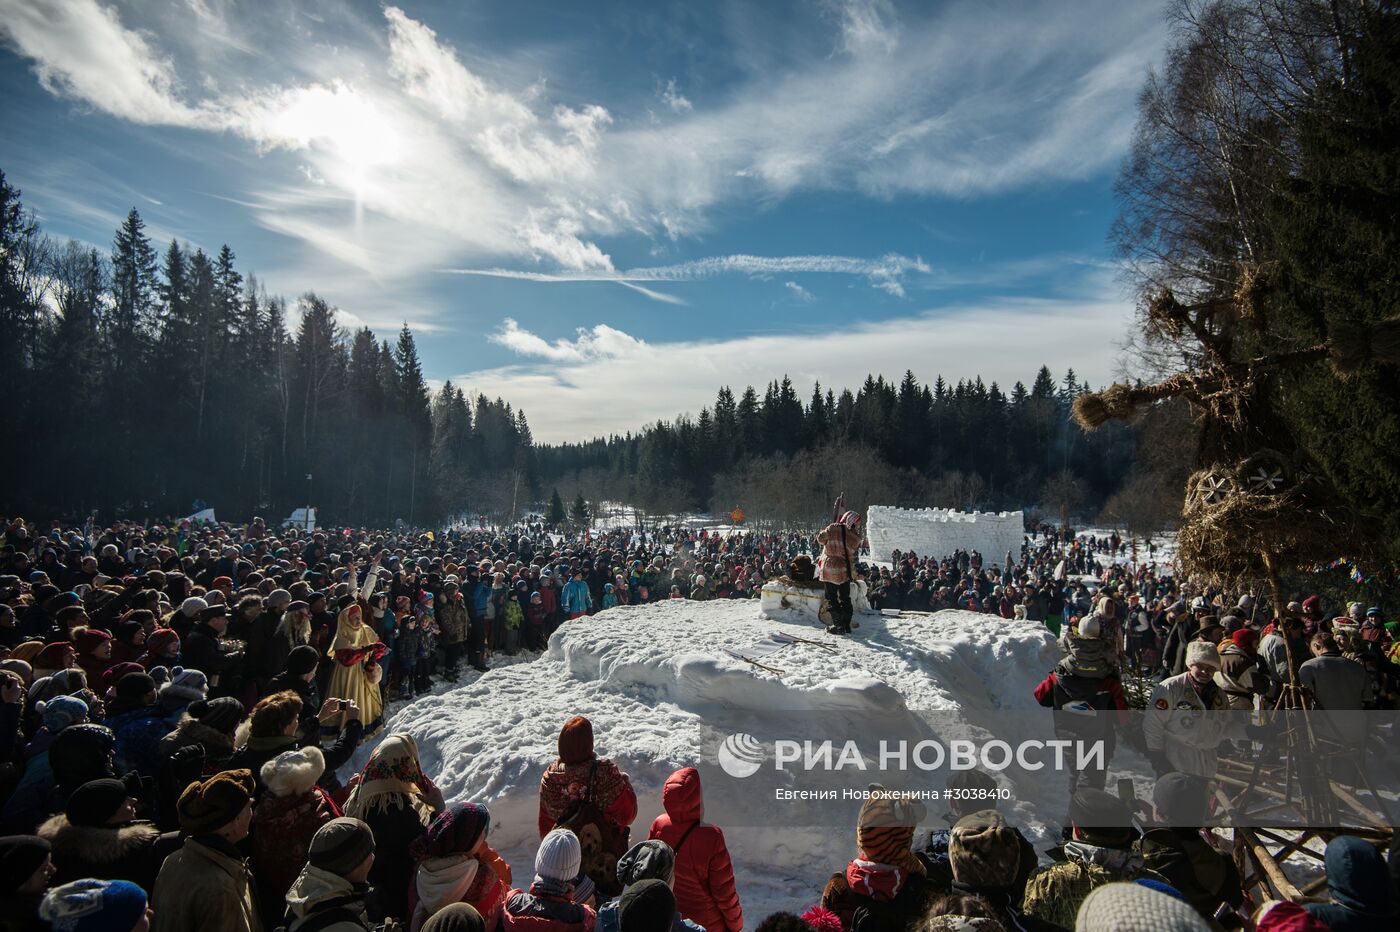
(602, 212)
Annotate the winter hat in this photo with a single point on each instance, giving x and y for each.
(188, 684)
(19, 668)
(95, 802)
(113, 675)
(222, 714)
(1312, 605)
(885, 827)
(647, 860)
(1180, 799)
(293, 773)
(458, 829)
(1284, 916)
(20, 857)
(208, 805)
(61, 711)
(559, 856)
(302, 660)
(576, 741)
(127, 631)
(1130, 907)
(1101, 818)
(161, 640)
(1202, 652)
(87, 640)
(648, 906)
(94, 906)
(135, 686)
(54, 656)
(458, 917)
(278, 598)
(984, 852)
(1090, 627)
(1246, 639)
(193, 606)
(341, 845)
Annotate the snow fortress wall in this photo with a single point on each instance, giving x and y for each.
(937, 532)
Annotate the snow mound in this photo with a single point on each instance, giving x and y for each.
(658, 685)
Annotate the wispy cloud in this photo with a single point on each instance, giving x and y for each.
(800, 293)
(605, 381)
(464, 163)
(886, 273)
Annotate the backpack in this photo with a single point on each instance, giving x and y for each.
(325, 918)
(891, 916)
(1087, 657)
(602, 842)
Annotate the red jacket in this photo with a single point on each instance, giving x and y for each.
(704, 883)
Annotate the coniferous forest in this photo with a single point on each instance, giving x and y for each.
(147, 379)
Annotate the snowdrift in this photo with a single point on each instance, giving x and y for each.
(661, 690)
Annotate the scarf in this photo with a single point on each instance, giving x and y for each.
(442, 881)
(546, 886)
(391, 779)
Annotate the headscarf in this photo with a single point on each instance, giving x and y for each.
(351, 636)
(392, 778)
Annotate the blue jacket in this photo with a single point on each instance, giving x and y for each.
(608, 920)
(576, 597)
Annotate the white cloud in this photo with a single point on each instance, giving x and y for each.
(413, 154)
(599, 343)
(606, 381)
(675, 99)
(81, 50)
(800, 293)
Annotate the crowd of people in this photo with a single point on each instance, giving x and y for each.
(178, 703)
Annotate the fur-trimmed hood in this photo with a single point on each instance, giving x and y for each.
(192, 729)
(96, 844)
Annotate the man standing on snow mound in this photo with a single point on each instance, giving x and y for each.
(840, 540)
(591, 797)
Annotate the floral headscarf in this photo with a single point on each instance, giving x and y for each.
(392, 778)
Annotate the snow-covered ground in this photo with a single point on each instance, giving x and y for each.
(662, 692)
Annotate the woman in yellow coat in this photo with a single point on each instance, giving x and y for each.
(355, 653)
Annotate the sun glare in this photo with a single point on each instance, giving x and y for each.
(347, 124)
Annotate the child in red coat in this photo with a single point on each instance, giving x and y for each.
(704, 881)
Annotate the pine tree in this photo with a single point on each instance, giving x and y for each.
(554, 513)
(578, 512)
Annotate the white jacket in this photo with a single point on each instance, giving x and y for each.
(1178, 723)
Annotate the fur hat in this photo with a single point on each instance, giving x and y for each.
(576, 742)
(61, 711)
(188, 684)
(208, 805)
(984, 852)
(559, 856)
(1202, 652)
(341, 845)
(293, 773)
(1130, 907)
